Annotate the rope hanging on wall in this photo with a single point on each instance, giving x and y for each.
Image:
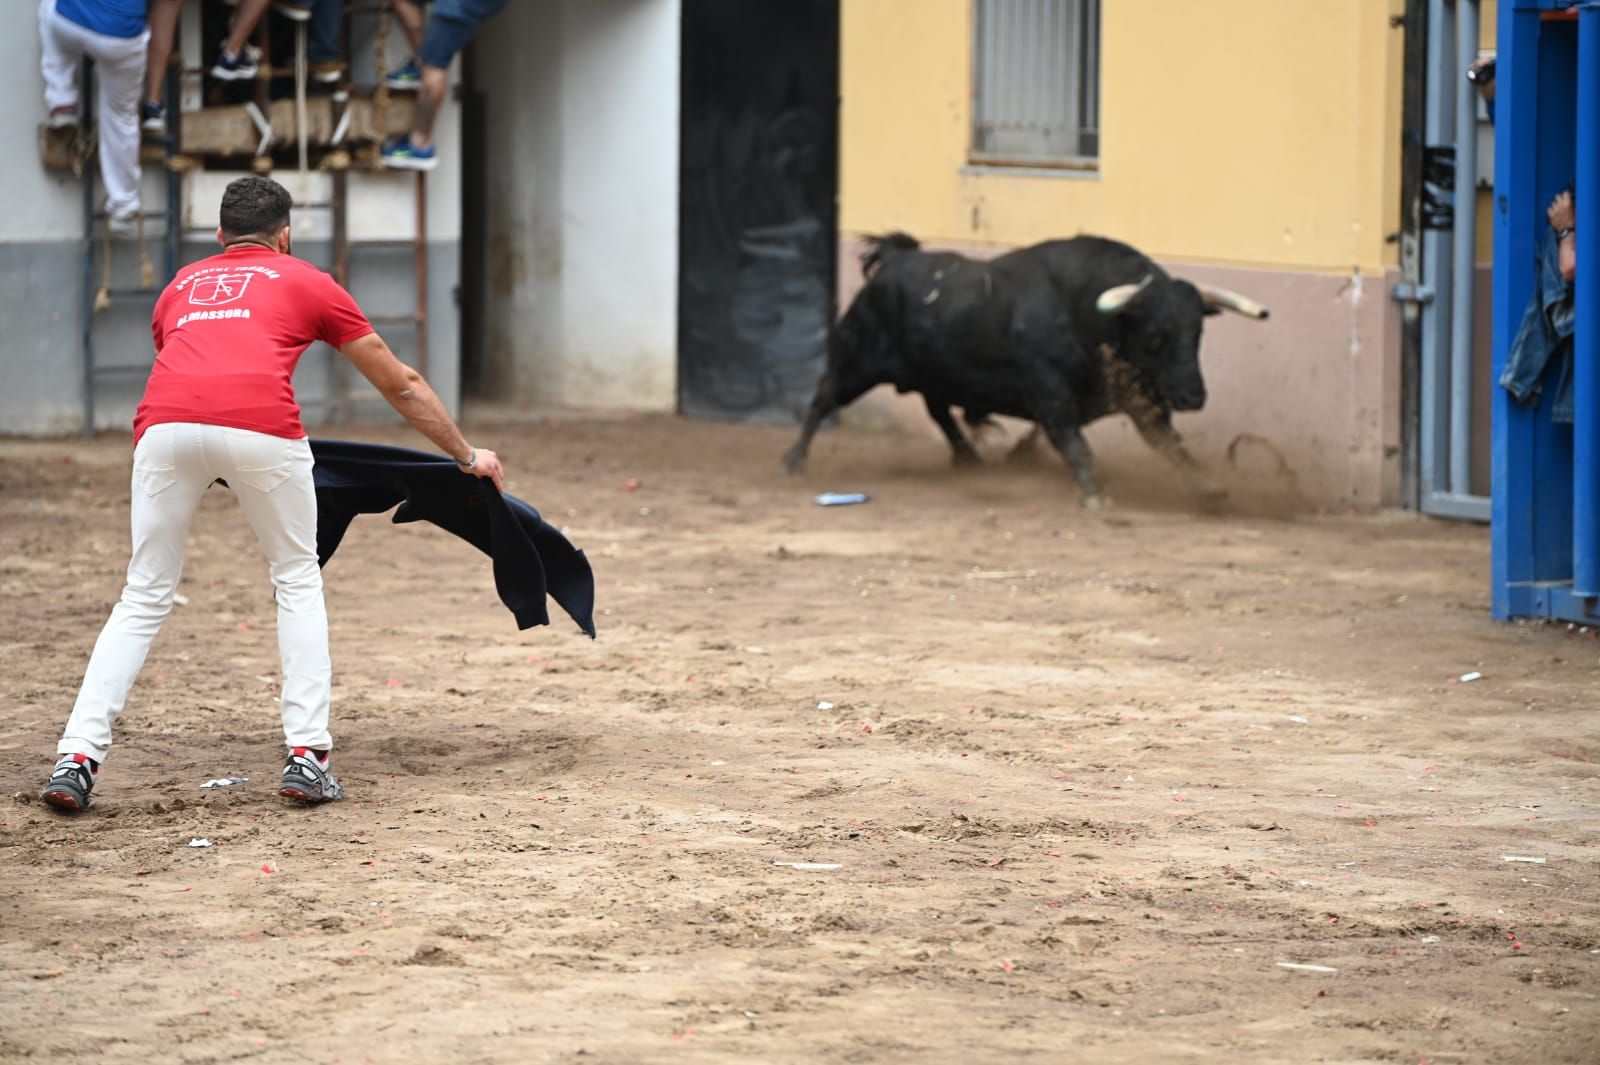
(147, 269)
(380, 95)
(102, 299)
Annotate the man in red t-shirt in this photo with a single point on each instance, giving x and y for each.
(219, 404)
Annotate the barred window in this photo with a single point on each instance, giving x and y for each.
(1036, 82)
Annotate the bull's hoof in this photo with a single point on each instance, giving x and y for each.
(965, 460)
(1096, 501)
(794, 461)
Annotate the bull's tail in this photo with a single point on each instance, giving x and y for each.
(879, 248)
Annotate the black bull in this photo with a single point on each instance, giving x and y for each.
(1060, 334)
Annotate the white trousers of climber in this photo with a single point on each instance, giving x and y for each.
(119, 73)
(172, 467)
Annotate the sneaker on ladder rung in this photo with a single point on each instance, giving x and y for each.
(401, 154)
(405, 79)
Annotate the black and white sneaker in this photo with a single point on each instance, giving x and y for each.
(153, 117)
(71, 783)
(307, 777)
(234, 67)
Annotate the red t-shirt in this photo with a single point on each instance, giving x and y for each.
(229, 331)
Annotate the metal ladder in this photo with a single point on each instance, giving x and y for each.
(171, 216)
(341, 403)
(343, 398)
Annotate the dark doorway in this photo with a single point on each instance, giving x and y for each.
(472, 301)
(757, 212)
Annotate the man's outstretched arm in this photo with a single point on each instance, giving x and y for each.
(410, 394)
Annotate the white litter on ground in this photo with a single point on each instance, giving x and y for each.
(810, 867)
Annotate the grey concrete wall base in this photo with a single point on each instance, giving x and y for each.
(41, 362)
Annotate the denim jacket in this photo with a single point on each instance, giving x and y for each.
(1545, 336)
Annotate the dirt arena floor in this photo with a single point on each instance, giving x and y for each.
(1085, 786)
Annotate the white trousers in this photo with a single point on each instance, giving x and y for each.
(119, 73)
(172, 467)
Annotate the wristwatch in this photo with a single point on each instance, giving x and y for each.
(472, 459)
(1563, 234)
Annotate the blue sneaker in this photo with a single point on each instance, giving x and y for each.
(401, 154)
(153, 118)
(407, 78)
(234, 67)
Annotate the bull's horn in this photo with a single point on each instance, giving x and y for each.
(1231, 301)
(1115, 300)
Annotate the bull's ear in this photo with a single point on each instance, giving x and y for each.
(1115, 300)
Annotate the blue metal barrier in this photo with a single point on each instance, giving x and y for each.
(1586, 371)
(1546, 476)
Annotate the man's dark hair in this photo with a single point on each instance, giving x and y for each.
(254, 206)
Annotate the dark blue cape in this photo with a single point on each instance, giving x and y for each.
(531, 559)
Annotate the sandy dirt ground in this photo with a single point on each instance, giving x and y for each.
(1084, 782)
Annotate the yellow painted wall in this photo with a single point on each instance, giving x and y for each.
(1258, 132)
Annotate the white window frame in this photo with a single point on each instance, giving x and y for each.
(1036, 84)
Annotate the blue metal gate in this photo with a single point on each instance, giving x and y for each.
(1443, 282)
(1546, 475)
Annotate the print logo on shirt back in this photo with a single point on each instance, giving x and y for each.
(216, 289)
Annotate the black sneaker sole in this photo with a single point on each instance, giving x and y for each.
(307, 798)
(66, 798)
